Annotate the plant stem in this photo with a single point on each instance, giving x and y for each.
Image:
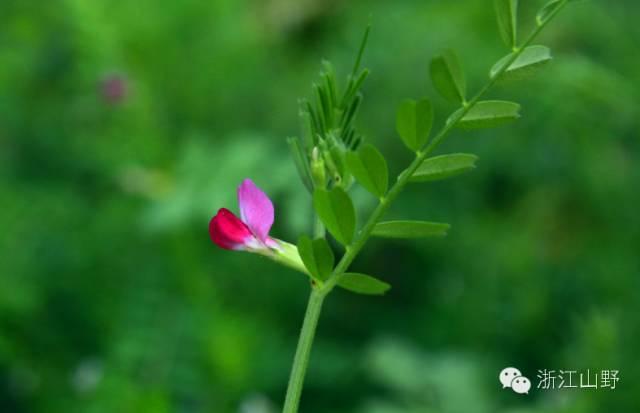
(318, 294)
(305, 341)
(301, 359)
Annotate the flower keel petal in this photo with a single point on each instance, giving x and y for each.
(229, 232)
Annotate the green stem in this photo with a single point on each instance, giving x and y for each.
(301, 359)
(305, 342)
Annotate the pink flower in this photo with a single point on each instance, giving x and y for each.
(251, 232)
(114, 88)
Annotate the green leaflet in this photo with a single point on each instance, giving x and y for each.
(363, 284)
(547, 11)
(410, 229)
(316, 256)
(447, 76)
(414, 121)
(369, 168)
(444, 166)
(530, 61)
(488, 114)
(507, 13)
(336, 212)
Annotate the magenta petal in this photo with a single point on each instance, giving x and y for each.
(256, 209)
(228, 232)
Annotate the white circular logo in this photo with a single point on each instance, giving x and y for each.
(521, 385)
(507, 375)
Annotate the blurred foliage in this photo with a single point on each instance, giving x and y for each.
(125, 125)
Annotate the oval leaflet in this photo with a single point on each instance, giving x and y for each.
(444, 166)
(530, 60)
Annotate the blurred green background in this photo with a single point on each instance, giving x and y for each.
(124, 126)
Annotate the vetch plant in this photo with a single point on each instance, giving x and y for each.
(332, 157)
